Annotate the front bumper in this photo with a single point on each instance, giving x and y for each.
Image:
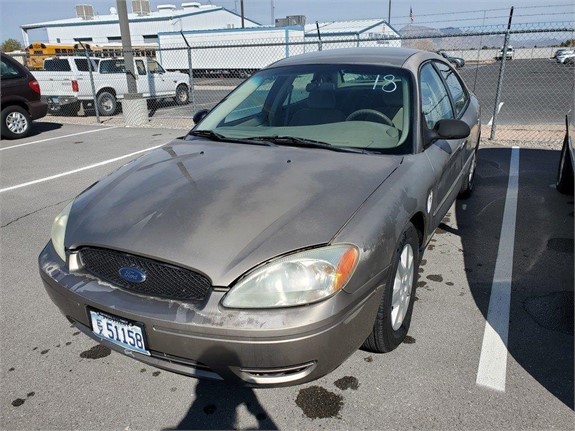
(278, 347)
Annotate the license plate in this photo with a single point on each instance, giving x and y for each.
(55, 100)
(119, 331)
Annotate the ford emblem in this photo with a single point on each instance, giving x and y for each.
(133, 275)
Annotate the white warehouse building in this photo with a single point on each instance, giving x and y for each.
(145, 24)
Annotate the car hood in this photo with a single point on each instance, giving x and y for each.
(223, 208)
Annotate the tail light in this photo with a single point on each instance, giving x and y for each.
(33, 84)
(75, 86)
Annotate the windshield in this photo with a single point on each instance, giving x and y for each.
(348, 106)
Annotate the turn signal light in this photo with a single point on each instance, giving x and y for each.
(75, 86)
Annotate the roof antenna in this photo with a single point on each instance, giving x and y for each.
(318, 36)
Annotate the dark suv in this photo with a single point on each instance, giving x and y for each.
(20, 99)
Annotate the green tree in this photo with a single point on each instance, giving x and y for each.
(568, 43)
(10, 45)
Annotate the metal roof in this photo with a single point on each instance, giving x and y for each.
(132, 17)
(344, 28)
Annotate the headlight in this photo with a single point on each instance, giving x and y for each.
(301, 278)
(59, 231)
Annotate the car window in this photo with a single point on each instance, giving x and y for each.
(154, 67)
(298, 92)
(112, 66)
(435, 101)
(353, 106)
(251, 106)
(455, 87)
(82, 64)
(57, 65)
(140, 67)
(9, 71)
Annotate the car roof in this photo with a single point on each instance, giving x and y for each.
(373, 56)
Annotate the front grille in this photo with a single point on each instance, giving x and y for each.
(162, 280)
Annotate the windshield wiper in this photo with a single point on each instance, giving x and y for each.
(214, 136)
(306, 143)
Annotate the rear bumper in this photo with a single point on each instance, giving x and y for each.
(37, 109)
(259, 348)
(55, 103)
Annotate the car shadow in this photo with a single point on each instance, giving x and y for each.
(217, 404)
(541, 312)
(39, 127)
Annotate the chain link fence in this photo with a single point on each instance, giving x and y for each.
(524, 93)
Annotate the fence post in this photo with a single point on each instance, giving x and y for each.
(190, 70)
(319, 44)
(500, 79)
(89, 60)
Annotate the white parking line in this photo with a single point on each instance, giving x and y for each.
(492, 369)
(85, 168)
(57, 137)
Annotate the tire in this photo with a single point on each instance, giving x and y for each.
(16, 122)
(467, 186)
(182, 95)
(564, 182)
(392, 323)
(106, 103)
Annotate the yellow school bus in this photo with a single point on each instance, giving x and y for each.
(37, 52)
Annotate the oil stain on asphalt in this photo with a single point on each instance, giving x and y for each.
(435, 277)
(409, 340)
(347, 382)
(19, 401)
(319, 403)
(96, 352)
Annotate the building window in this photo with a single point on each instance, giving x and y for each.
(114, 38)
(83, 39)
(57, 40)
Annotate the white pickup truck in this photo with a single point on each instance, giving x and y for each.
(65, 83)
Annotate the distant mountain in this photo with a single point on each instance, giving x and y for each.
(453, 38)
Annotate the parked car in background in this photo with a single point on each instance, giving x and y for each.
(20, 101)
(509, 55)
(284, 231)
(561, 51)
(562, 57)
(65, 82)
(458, 62)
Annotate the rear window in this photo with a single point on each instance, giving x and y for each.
(57, 65)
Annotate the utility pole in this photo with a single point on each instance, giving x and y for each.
(273, 13)
(127, 45)
(389, 13)
(134, 105)
(242, 7)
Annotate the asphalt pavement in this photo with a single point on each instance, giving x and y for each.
(53, 377)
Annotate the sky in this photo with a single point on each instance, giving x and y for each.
(431, 13)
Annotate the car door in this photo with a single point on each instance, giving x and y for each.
(444, 155)
(160, 84)
(465, 107)
(144, 77)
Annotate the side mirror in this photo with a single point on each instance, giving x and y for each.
(199, 116)
(448, 129)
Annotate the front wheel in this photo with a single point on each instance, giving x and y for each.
(396, 306)
(182, 95)
(107, 104)
(16, 122)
